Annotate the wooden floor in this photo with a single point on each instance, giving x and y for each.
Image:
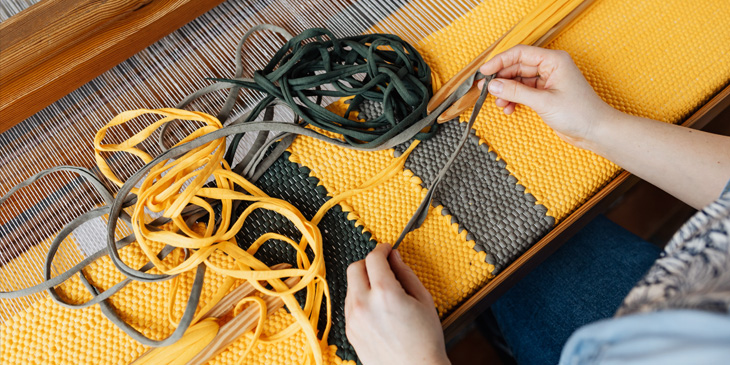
(643, 210)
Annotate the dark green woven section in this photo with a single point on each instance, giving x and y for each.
(343, 242)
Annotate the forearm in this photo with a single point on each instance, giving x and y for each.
(692, 165)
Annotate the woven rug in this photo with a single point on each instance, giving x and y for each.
(515, 180)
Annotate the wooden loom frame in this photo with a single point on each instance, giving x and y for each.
(99, 36)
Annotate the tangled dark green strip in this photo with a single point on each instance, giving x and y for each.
(376, 67)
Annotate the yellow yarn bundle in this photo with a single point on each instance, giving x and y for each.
(172, 185)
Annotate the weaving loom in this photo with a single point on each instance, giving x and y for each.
(513, 182)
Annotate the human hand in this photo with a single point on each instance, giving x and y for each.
(390, 316)
(549, 82)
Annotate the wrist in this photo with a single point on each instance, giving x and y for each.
(599, 133)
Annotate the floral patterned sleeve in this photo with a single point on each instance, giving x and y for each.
(693, 272)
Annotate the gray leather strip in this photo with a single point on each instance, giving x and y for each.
(481, 195)
(97, 297)
(422, 211)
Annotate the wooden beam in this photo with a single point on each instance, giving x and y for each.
(56, 46)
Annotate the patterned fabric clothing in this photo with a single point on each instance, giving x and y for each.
(693, 272)
(679, 313)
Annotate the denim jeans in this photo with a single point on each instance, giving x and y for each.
(584, 281)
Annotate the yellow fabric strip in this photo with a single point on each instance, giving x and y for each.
(441, 257)
(162, 190)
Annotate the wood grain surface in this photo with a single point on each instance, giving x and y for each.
(55, 46)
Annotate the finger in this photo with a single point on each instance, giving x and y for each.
(545, 60)
(509, 109)
(408, 279)
(518, 92)
(358, 283)
(501, 103)
(533, 82)
(379, 272)
(536, 82)
(518, 70)
(480, 84)
(527, 55)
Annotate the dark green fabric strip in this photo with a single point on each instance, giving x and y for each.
(377, 67)
(343, 242)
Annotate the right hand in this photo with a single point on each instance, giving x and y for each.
(552, 85)
(390, 317)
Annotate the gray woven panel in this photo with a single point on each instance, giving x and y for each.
(479, 193)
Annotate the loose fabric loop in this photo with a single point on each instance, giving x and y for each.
(376, 67)
(198, 217)
(160, 182)
(225, 112)
(49, 282)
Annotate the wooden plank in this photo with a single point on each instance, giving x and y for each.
(481, 300)
(564, 24)
(56, 46)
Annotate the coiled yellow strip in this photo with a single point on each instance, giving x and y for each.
(164, 190)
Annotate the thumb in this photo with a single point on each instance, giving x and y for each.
(517, 92)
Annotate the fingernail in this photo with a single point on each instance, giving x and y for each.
(495, 87)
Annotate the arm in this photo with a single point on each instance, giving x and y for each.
(692, 165)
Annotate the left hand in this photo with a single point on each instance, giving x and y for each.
(390, 316)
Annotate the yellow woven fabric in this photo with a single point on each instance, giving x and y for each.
(658, 59)
(662, 67)
(445, 261)
(15, 273)
(441, 257)
(49, 334)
